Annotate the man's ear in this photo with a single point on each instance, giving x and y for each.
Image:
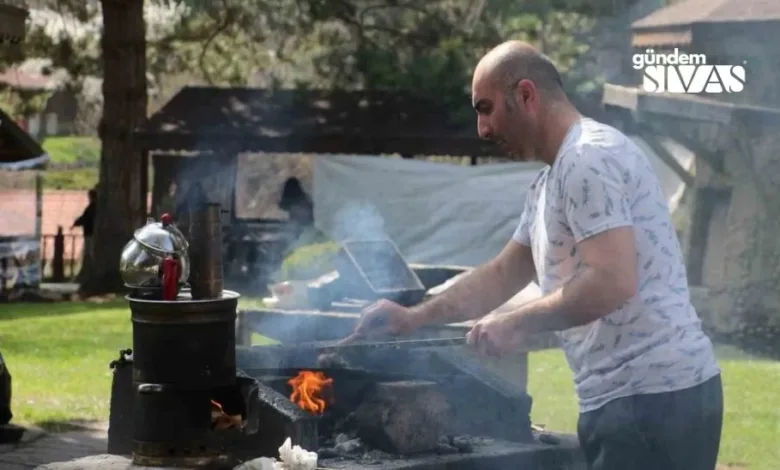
(527, 94)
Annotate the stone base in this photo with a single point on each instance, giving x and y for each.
(118, 462)
(553, 452)
(101, 462)
(94, 462)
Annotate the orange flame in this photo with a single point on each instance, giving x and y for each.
(307, 389)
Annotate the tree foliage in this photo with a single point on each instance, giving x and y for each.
(427, 46)
(430, 46)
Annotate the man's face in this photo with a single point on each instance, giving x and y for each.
(507, 117)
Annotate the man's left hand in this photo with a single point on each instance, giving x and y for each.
(495, 335)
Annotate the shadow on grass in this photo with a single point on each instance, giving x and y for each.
(54, 426)
(25, 310)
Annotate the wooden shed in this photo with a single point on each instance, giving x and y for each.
(202, 132)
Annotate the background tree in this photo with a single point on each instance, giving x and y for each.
(121, 200)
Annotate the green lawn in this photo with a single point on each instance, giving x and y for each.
(751, 434)
(58, 355)
(74, 179)
(73, 149)
(74, 162)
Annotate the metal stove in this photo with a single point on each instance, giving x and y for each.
(183, 361)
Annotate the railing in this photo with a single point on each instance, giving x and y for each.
(61, 255)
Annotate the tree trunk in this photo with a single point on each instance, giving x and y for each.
(119, 209)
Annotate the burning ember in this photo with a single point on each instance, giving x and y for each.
(221, 420)
(307, 389)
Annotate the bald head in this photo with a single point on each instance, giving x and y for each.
(512, 61)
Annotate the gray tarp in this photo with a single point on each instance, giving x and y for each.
(439, 213)
(436, 213)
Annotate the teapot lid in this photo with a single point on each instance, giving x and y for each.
(162, 237)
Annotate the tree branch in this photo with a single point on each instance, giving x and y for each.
(226, 21)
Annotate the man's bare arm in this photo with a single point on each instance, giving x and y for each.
(483, 290)
(607, 280)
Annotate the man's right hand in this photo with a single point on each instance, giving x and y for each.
(384, 318)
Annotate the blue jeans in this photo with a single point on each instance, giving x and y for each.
(664, 431)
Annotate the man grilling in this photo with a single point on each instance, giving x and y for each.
(596, 233)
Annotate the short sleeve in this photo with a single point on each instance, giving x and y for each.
(522, 233)
(595, 193)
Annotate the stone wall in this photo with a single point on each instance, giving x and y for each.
(739, 163)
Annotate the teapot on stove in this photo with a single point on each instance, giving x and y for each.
(156, 258)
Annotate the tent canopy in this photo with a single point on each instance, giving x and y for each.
(18, 150)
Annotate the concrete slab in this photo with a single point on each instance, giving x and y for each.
(38, 447)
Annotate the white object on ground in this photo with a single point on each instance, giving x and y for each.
(262, 463)
(296, 458)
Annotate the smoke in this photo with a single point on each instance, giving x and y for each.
(358, 220)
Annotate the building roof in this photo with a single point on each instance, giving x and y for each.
(314, 121)
(691, 12)
(18, 150)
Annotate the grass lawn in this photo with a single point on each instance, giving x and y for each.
(74, 179)
(751, 428)
(79, 155)
(58, 355)
(75, 162)
(73, 149)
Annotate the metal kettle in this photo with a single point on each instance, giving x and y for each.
(157, 251)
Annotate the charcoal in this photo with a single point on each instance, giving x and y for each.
(446, 449)
(330, 453)
(403, 417)
(352, 446)
(462, 443)
(376, 456)
(332, 361)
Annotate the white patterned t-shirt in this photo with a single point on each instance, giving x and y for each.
(654, 343)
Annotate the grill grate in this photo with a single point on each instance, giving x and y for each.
(376, 269)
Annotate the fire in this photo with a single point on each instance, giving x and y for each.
(221, 420)
(307, 389)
